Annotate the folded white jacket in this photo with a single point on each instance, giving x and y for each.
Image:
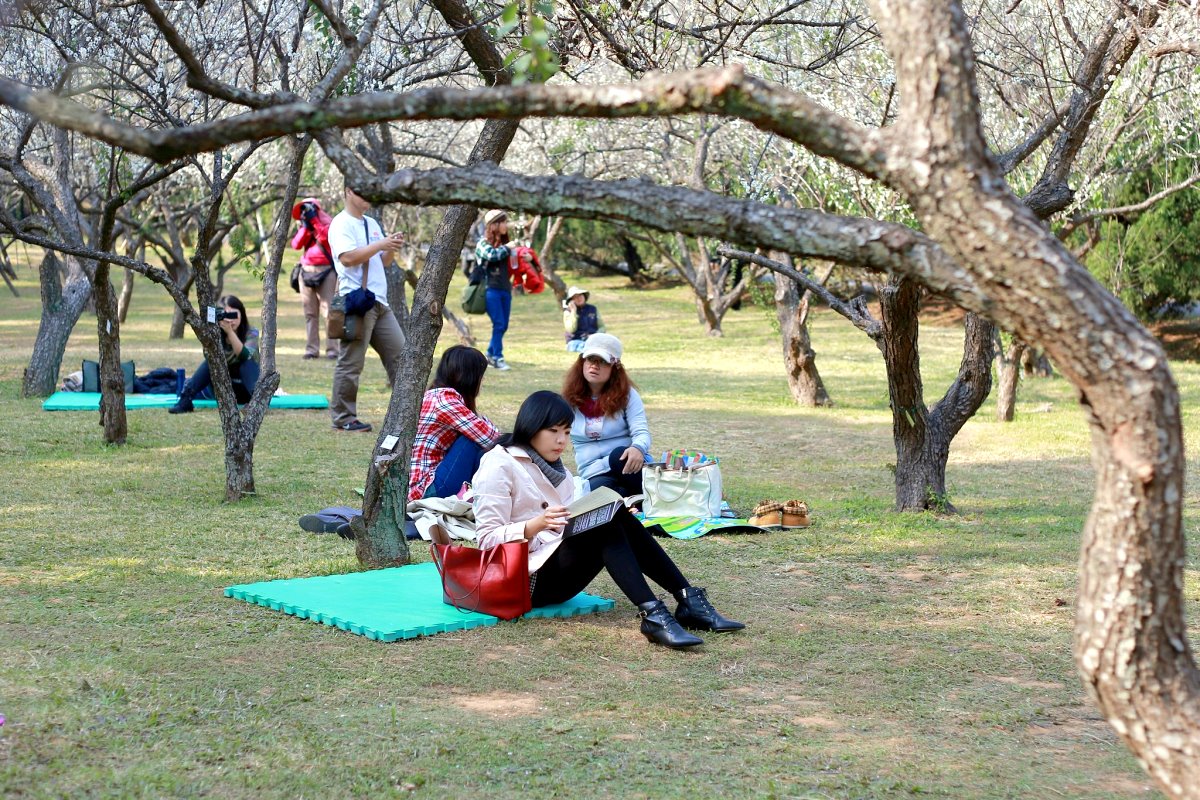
(457, 517)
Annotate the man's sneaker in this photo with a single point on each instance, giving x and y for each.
(500, 364)
(354, 426)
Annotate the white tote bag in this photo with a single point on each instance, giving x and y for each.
(690, 492)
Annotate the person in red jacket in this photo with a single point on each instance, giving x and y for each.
(318, 279)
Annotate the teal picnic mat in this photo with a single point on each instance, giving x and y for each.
(90, 401)
(387, 604)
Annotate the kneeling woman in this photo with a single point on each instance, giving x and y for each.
(240, 343)
(521, 492)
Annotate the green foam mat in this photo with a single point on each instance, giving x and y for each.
(90, 401)
(388, 604)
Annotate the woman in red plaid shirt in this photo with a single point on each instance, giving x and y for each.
(451, 436)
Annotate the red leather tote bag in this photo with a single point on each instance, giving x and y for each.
(493, 581)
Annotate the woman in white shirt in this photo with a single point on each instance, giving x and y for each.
(522, 490)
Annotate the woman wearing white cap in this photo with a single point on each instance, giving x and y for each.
(610, 434)
(580, 319)
(492, 255)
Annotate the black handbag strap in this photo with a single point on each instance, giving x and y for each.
(367, 263)
(325, 249)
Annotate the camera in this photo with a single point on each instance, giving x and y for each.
(222, 314)
(308, 211)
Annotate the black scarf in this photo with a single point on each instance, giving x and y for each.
(556, 473)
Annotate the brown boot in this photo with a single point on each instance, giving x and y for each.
(767, 514)
(795, 514)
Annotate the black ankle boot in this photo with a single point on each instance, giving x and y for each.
(697, 613)
(184, 404)
(661, 628)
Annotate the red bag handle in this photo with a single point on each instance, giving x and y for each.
(484, 563)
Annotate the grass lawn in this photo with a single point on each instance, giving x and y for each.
(887, 655)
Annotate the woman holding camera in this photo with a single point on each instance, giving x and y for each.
(492, 256)
(318, 279)
(240, 344)
(522, 491)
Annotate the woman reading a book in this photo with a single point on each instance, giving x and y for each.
(451, 435)
(608, 427)
(522, 492)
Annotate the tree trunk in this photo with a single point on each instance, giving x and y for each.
(126, 294)
(379, 535)
(61, 306)
(1010, 375)
(923, 436)
(1131, 642)
(465, 336)
(239, 465)
(708, 317)
(799, 359)
(637, 267)
(397, 298)
(7, 271)
(241, 426)
(177, 324)
(921, 453)
(112, 378)
(557, 285)
(1035, 364)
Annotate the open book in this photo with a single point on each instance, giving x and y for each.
(594, 508)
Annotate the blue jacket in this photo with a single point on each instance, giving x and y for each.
(628, 428)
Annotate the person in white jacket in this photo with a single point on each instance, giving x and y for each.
(522, 491)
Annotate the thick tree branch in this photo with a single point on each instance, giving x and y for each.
(973, 382)
(475, 40)
(727, 91)
(1051, 193)
(861, 242)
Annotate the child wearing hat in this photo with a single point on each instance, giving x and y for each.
(580, 319)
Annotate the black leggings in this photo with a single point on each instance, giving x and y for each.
(627, 485)
(623, 547)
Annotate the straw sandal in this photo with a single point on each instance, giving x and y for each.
(795, 514)
(767, 514)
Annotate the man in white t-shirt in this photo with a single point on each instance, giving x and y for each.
(357, 244)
